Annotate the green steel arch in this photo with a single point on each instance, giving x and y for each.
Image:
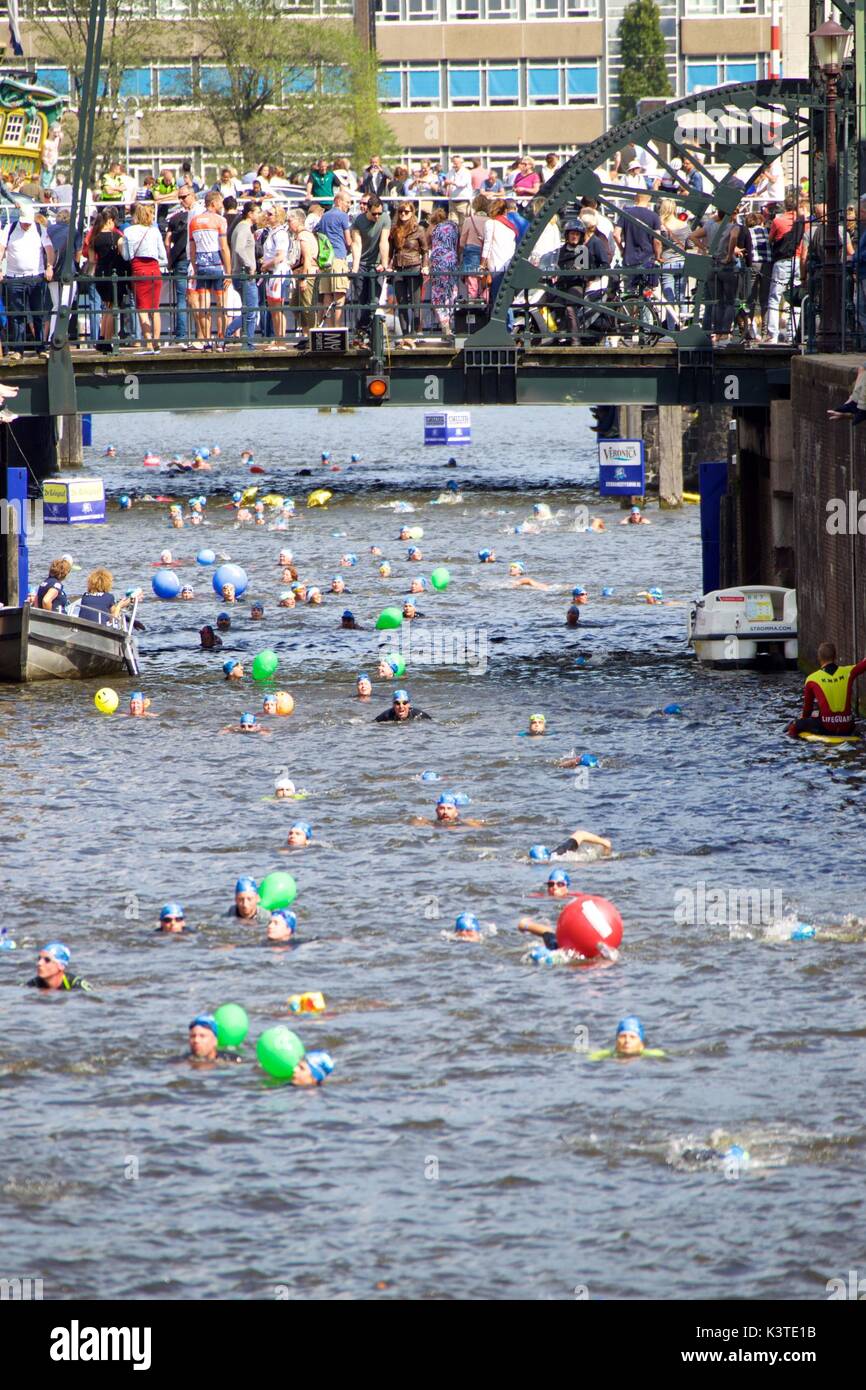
(757, 121)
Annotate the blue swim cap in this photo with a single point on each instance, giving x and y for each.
(352, 558)
(447, 799)
(540, 853)
(540, 955)
(429, 776)
(246, 885)
(576, 593)
(607, 593)
(136, 695)
(236, 496)
(802, 932)
(672, 709)
(247, 720)
(461, 799)
(400, 695)
(171, 910)
(580, 661)
(205, 1021)
(736, 1151)
(484, 555)
(58, 952)
(362, 676)
(635, 509)
(630, 1025)
(588, 760)
(229, 666)
(325, 456)
(258, 604)
(559, 876)
(452, 485)
(320, 1064)
(305, 827)
(655, 593)
(356, 458)
(413, 550)
(467, 921)
(515, 564)
(288, 917)
(223, 618)
(203, 453)
(123, 500)
(347, 613)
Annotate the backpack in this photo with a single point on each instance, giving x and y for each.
(325, 253)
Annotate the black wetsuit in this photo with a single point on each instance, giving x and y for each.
(388, 716)
(69, 982)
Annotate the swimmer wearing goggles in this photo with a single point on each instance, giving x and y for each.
(248, 724)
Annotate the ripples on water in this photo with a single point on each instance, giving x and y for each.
(456, 1060)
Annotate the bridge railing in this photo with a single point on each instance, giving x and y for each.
(396, 309)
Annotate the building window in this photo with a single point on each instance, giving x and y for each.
(175, 85)
(695, 9)
(388, 9)
(422, 9)
(35, 132)
(503, 86)
(708, 73)
(215, 80)
(464, 86)
(390, 87)
(562, 9)
(464, 9)
(502, 9)
(424, 87)
(335, 81)
(135, 82)
(13, 131)
(299, 81)
(56, 78)
(581, 82)
(542, 85)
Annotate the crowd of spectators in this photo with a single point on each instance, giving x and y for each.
(263, 258)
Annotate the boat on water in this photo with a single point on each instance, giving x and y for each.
(752, 625)
(39, 645)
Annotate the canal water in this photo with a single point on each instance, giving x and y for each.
(465, 1146)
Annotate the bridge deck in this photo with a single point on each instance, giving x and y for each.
(430, 376)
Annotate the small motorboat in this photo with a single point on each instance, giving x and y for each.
(751, 625)
(39, 645)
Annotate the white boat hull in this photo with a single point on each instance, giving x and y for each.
(749, 626)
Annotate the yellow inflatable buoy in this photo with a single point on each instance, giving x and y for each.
(273, 499)
(691, 497)
(106, 700)
(319, 497)
(249, 494)
(829, 738)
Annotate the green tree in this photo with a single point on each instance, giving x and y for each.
(286, 89)
(642, 48)
(63, 39)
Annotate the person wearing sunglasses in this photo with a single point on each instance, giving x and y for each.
(172, 920)
(51, 971)
(401, 710)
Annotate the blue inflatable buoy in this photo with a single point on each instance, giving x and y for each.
(230, 574)
(165, 584)
(607, 593)
(206, 557)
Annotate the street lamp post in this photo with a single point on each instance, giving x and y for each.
(831, 42)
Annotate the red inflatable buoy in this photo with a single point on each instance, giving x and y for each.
(256, 468)
(586, 923)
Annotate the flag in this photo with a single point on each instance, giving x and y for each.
(15, 29)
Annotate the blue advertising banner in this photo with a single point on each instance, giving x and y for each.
(448, 427)
(621, 468)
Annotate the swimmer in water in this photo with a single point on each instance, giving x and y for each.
(572, 617)
(138, 706)
(418, 585)
(537, 725)
(635, 518)
(375, 550)
(630, 1042)
(487, 557)
(386, 670)
(187, 592)
(300, 835)
(312, 1069)
(447, 813)
(467, 928)
(257, 612)
(338, 584)
(286, 558)
(558, 884)
(282, 926)
(209, 640)
(172, 920)
(248, 725)
(300, 592)
(414, 553)
(604, 954)
(401, 710)
(286, 599)
(269, 704)
(410, 611)
(364, 686)
(203, 1038)
(348, 620)
(284, 789)
(165, 558)
(246, 905)
(577, 840)
(519, 579)
(227, 593)
(314, 596)
(223, 622)
(233, 669)
(51, 970)
(384, 570)
(405, 534)
(288, 575)
(579, 596)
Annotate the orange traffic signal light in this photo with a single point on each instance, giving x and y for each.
(378, 388)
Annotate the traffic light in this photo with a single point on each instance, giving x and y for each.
(378, 389)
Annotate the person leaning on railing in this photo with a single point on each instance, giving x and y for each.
(408, 256)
